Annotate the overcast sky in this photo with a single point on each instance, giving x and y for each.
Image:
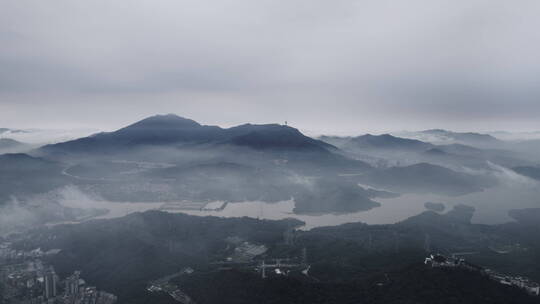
(325, 66)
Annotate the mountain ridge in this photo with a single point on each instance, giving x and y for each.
(170, 130)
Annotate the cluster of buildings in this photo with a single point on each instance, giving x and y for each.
(442, 261)
(439, 260)
(28, 282)
(76, 292)
(26, 279)
(530, 287)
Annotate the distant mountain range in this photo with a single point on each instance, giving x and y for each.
(172, 130)
(168, 158)
(441, 136)
(468, 137)
(279, 149)
(389, 150)
(8, 143)
(384, 141)
(424, 177)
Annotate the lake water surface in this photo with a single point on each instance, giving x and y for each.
(491, 206)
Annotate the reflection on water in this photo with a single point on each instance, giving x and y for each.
(491, 207)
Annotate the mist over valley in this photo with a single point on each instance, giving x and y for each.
(252, 151)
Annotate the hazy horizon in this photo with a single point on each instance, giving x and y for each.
(68, 132)
(77, 131)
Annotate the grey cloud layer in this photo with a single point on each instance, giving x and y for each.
(323, 63)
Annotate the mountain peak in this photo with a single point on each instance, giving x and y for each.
(162, 130)
(388, 141)
(167, 121)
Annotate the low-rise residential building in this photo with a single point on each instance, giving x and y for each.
(441, 261)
